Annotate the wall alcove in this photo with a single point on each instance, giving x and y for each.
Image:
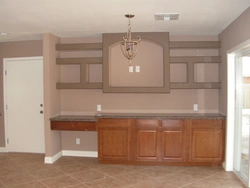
(152, 58)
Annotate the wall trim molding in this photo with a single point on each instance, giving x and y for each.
(73, 153)
(79, 153)
(3, 150)
(50, 160)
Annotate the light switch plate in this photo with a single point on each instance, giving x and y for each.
(137, 68)
(99, 108)
(131, 69)
(195, 107)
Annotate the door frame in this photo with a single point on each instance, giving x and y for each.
(231, 104)
(5, 61)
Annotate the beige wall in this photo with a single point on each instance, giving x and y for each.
(84, 101)
(10, 50)
(51, 94)
(179, 100)
(236, 33)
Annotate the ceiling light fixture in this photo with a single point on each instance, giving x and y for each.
(129, 47)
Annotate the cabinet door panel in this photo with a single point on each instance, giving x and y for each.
(146, 144)
(207, 140)
(173, 140)
(114, 143)
(206, 145)
(172, 144)
(114, 139)
(147, 140)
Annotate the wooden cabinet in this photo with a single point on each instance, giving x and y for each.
(173, 141)
(154, 141)
(207, 140)
(147, 140)
(114, 140)
(73, 126)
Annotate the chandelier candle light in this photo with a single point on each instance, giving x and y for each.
(129, 46)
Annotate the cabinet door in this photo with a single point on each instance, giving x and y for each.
(173, 140)
(147, 140)
(207, 140)
(114, 139)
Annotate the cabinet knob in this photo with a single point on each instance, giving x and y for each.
(41, 112)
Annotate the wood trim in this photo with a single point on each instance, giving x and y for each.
(88, 60)
(202, 85)
(190, 61)
(84, 83)
(78, 86)
(195, 59)
(79, 46)
(194, 44)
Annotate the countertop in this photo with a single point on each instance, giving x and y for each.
(94, 118)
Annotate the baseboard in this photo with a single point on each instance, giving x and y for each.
(50, 160)
(79, 153)
(3, 150)
(224, 165)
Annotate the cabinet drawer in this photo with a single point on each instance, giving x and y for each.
(205, 123)
(73, 126)
(147, 123)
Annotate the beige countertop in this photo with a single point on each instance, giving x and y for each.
(94, 118)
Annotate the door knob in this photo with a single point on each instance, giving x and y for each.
(41, 112)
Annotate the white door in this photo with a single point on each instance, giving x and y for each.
(24, 119)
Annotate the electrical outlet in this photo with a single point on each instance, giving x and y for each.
(78, 141)
(195, 107)
(99, 108)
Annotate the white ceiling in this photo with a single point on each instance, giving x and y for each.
(28, 19)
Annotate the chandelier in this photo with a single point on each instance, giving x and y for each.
(129, 47)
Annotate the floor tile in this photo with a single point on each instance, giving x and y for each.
(1, 185)
(33, 168)
(27, 170)
(48, 173)
(79, 186)
(88, 176)
(181, 178)
(205, 171)
(73, 169)
(63, 161)
(155, 172)
(156, 183)
(12, 170)
(106, 183)
(131, 178)
(35, 184)
(17, 179)
(113, 170)
(62, 181)
(6, 162)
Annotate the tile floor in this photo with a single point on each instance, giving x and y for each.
(22, 170)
